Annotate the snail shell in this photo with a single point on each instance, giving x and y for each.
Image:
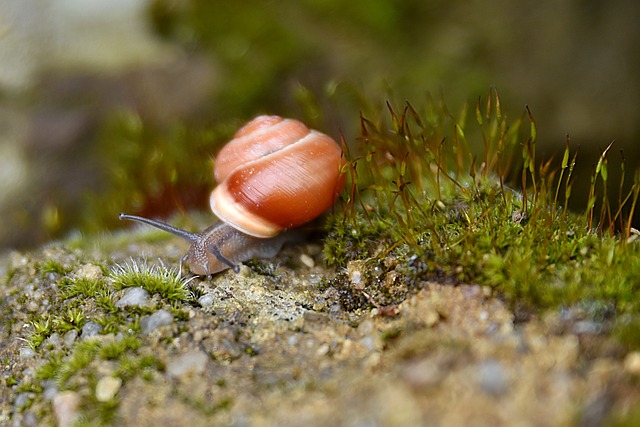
(276, 174)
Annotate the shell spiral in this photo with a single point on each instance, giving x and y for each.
(275, 174)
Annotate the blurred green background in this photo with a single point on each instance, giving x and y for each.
(119, 105)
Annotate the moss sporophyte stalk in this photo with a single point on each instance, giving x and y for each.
(431, 196)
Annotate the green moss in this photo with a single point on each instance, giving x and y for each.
(629, 419)
(75, 368)
(49, 370)
(83, 287)
(138, 365)
(72, 318)
(42, 328)
(429, 199)
(51, 266)
(154, 278)
(115, 349)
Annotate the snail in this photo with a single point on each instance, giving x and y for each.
(276, 174)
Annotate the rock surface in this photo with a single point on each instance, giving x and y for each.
(277, 348)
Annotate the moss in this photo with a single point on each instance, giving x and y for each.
(154, 278)
(51, 266)
(83, 287)
(430, 198)
(80, 299)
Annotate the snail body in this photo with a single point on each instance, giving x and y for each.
(274, 175)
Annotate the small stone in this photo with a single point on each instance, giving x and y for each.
(89, 272)
(70, 337)
(21, 400)
(586, 327)
(632, 363)
(356, 270)
(431, 318)
(90, 329)
(54, 339)
(26, 353)
(32, 306)
(368, 342)
(493, 378)
(154, 321)
(323, 350)
(135, 297)
(423, 373)
(50, 390)
(307, 260)
(190, 363)
(206, 300)
(29, 419)
(65, 408)
(107, 388)
(17, 260)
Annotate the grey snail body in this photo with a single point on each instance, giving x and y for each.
(274, 175)
(218, 247)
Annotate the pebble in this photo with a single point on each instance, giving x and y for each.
(26, 352)
(632, 363)
(586, 327)
(307, 260)
(70, 337)
(190, 363)
(65, 408)
(50, 390)
(107, 388)
(493, 378)
(54, 339)
(90, 329)
(423, 373)
(206, 300)
(159, 318)
(21, 400)
(133, 297)
(89, 272)
(29, 419)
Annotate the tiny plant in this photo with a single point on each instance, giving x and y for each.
(51, 266)
(41, 330)
(432, 196)
(156, 279)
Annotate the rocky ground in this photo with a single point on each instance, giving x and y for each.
(273, 345)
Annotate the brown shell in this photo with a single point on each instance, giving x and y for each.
(276, 174)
